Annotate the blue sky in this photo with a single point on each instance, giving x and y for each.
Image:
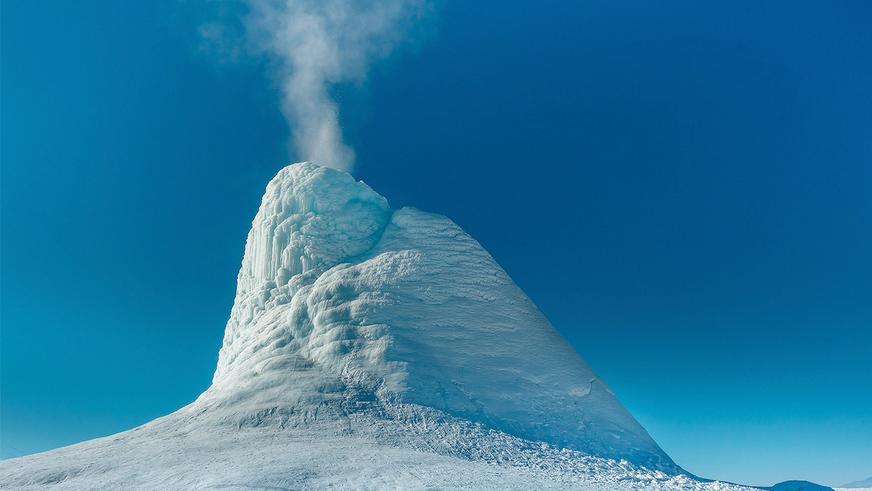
(682, 187)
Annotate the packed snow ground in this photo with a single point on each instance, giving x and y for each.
(418, 450)
(372, 348)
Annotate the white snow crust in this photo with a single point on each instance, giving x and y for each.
(373, 348)
(411, 449)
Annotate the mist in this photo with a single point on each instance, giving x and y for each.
(314, 45)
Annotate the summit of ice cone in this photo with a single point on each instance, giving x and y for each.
(310, 217)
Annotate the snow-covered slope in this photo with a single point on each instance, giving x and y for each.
(368, 347)
(357, 451)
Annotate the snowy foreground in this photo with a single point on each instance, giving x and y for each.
(358, 451)
(375, 348)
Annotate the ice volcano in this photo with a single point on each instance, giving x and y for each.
(368, 348)
(346, 305)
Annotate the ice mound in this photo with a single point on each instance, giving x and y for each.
(342, 300)
(370, 348)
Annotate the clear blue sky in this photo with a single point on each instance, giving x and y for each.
(684, 188)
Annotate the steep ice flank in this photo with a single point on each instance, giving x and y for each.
(310, 220)
(369, 348)
(342, 303)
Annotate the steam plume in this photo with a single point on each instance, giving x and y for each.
(316, 44)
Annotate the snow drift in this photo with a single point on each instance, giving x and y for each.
(371, 347)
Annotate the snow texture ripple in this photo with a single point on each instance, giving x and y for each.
(375, 348)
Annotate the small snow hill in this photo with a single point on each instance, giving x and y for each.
(373, 348)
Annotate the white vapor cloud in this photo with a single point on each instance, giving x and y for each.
(312, 45)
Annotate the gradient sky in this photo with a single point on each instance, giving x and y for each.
(682, 187)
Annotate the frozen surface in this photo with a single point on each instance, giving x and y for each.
(357, 451)
(375, 348)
